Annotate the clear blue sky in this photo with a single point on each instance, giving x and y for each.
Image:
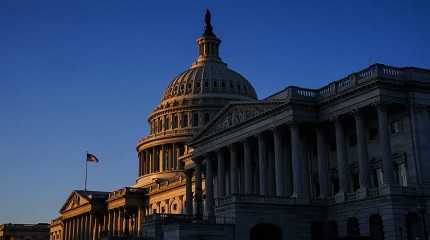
(83, 75)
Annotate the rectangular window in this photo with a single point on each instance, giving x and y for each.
(206, 118)
(195, 119)
(174, 121)
(396, 127)
(373, 133)
(185, 120)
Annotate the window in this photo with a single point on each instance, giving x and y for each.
(174, 121)
(353, 139)
(166, 122)
(206, 118)
(396, 127)
(185, 120)
(373, 133)
(195, 119)
(160, 125)
(175, 207)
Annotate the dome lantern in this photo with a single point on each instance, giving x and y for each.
(208, 44)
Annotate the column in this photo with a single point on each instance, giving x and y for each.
(171, 156)
(323, 164)
(262, 148)
(125, 224)
(221, 173)
(80, 227)
(247, 166)
(280, 172)
(152, 167)
(66, 230)
(209, 187)
(114, 223)
(385, 144)
(148, 161)
(143, 162)
(121, 221)
(340, 155)
(110, 222)
(85, 227)
(139, 157)
(297, 163)
(73, 228)
(198, 196)
(233, 168)
(363, 158)
(189, 193)
(174, 157)
(161, 159)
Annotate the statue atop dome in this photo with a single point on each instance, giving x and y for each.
(208, 26)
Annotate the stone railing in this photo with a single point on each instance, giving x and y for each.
(258, 199)
(170, 132)
(376, 71)
(164, 218)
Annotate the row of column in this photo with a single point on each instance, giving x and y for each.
(79, 227)
(179, 120)
(120, 223)
(160, 158)
(290, 165)
(115, 222)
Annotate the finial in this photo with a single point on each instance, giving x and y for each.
(208, 25)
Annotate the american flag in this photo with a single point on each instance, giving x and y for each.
(92, 158)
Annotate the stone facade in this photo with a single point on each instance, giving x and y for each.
(11, 231)
(347, 159)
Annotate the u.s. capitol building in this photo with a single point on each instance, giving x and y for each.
(351, 158)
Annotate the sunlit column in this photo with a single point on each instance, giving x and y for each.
(161, 159)
(152, 166)
(174, 157)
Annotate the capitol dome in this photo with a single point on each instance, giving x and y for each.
(191, 100)
(213, 78)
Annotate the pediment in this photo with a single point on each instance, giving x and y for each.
(75, 200)
(235, 114)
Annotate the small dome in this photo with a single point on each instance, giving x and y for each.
(209, 78)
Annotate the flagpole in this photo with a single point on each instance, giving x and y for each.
(86, 170)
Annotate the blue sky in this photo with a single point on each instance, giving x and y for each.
(83, 75)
